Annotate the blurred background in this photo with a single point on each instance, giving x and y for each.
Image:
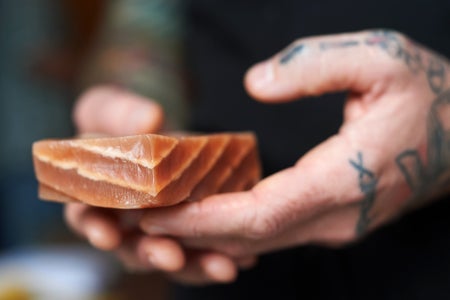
(50, 50)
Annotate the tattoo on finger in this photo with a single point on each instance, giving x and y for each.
(386, 40)
(289, 54)
(338, 44)
(390, 42)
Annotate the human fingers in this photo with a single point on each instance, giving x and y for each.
(290, 196)
(333, 228)
(158, 253)
(206, 267)
(374, 163)
(115, 111)
(317, 65)
(146, 253)
(99, 226)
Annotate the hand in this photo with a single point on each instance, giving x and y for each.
(390, 154)
(112, 111)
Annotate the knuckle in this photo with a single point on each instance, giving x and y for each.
(397, 45)
(266, 221)
(260, 224)
(390, 34)
(195, 228)
(261, 228)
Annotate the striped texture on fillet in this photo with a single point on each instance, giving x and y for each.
(145, 170)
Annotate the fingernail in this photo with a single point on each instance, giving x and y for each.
(261, 74)
(221, 271)
(139, 117)
(151, 258)
(95, 237)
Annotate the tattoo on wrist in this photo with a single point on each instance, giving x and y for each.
(367, 185)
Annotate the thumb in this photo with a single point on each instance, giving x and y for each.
(290, 196)
(114, 111)
(318, 65)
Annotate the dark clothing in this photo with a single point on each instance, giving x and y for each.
(409, 259)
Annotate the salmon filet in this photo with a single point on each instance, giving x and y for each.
(144, 171)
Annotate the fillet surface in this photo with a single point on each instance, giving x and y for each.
(145, 170)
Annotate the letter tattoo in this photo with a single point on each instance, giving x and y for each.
(436, 75)
(367, 185)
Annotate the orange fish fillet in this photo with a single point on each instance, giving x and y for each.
(145, 171)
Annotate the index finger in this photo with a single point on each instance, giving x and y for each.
(290, 196)
(99, 226)
(317, 65)
(114, 111)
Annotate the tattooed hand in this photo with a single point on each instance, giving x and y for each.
(391, 152)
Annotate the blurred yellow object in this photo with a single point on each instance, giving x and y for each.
(15, 293)
(55, 273)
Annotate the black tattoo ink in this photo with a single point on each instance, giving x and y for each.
(439, 135)
(339, 44)
(435, 70)
(424, 179)
(367, 185)
(436, 75)
(290, 53)
(390, 42)
(412, 168)
(413, 61)
(386, 40)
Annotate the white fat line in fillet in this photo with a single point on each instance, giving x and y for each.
(95, 176)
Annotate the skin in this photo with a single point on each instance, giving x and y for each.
(107, 110)
(389, 156)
